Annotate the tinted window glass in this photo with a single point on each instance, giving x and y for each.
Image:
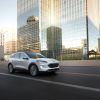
(35, 55)
(40, 56)
(32, 55)
(17, 55)
(22, 55)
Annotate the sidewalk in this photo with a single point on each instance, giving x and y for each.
(80, 63)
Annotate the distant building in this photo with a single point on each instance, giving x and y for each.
(1, 52)
(1, 39)
(1, 46)
(10, 47)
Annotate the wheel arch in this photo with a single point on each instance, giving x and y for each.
(10, 63)
(31, 65)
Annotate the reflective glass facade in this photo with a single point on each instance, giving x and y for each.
(62, 29)
(28, 25)
(51, 32)
(79, 28)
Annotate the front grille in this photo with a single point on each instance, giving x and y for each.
(53, 65)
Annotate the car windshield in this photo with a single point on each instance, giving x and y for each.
(35, 55)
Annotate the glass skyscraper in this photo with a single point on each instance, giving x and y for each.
(79, 28)
(61, 29)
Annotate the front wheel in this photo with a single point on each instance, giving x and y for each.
(33, 70)
(10, 68)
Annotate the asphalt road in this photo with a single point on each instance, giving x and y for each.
(70, 83)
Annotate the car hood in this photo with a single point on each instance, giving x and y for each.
(49, 60)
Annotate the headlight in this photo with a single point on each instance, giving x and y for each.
(42, 62)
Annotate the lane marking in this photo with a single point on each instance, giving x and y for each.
(55, 83)
(81, 74)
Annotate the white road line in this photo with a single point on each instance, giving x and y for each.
(81, 74)
(55, 83)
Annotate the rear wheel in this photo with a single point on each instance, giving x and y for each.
(10, 68)
(33, 70)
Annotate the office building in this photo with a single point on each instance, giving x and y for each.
(10, 42)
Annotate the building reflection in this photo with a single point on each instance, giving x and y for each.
(54, 42)
(80, 26)
(64, 29)
(28, 25)
(51, 32)
(28, 35)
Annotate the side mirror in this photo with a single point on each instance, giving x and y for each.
(25, 58)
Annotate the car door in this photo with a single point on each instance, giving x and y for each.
(24, 60)
(15, 60)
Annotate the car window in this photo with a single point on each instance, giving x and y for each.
(35, 55)
(40, 56)
(17, 55)
(32, 55)
(22, 55)
(12, 56)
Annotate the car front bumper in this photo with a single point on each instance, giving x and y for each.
(48, 69)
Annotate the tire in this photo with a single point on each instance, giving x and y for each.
(33, 70)
(10, 68)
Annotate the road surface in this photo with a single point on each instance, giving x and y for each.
(70, 83)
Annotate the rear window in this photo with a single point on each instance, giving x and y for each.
(17, 55)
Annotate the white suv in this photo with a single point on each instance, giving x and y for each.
(33, 62)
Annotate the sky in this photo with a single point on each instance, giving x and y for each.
(8, 15)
